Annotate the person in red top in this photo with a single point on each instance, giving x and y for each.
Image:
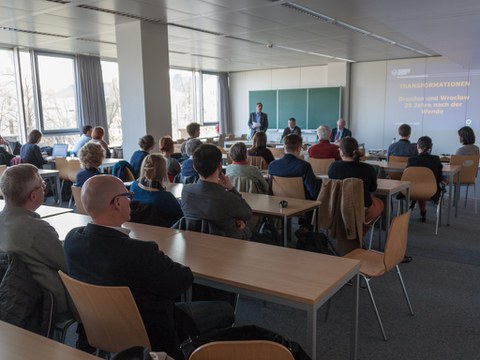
(324, 149)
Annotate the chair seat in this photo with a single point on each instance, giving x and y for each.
(371, 263)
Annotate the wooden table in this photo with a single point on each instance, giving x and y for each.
(390, 188)
(268, 205)
(451, 171)
(45, 211)
(63, 223)
(55, 175)
(296, 278)
(17, 343)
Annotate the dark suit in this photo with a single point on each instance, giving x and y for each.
(345, 133)
(291, 166)
(263, 123)
(287, 131)
(104, 256)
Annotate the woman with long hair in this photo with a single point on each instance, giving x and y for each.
(98, 133)
(30, 152)
(467, 139)
(259, 147)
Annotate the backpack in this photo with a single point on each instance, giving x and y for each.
(315, 241)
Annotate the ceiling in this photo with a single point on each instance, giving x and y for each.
(239, 35)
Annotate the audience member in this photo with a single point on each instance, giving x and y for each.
(32, 239)
(214, 198)
(292, 128)
(350, 166)
(6, 154)
(30, 152)
(188, 173)
(340, 131)
(292, 166)
(146, 144)
(193, 130)
(167, 149)
(85, 138)
(91, 156)
(324, 149)
(467, 139)
(257, 121)
(98, 133)
(102, 253)
(240, 168)
(403, 147)
(426, 159)
(150, 188)
(259, 147)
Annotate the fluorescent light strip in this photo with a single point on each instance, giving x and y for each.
(322, 17)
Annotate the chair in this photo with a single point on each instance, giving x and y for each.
(287, 186)
(198, 225)
(374, 264)
(76, 192)
(257, 161)
(221, 140)
(61, 164)
(242, 350)
(109, 314)
(423, 186)
(320, 166)
(228, 157)
(277, 152)
(396, 175)
(468, 173)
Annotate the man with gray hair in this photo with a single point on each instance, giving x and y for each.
(32, 239)
(324, 149)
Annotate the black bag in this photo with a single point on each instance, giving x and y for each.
(250, 332)
(315, 242)
(268, 233)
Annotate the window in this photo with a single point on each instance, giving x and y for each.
(9, 125)
(57, 94)
(112, 101)
(210, 98)
(182, 100)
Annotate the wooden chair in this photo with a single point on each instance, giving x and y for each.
(287, 186)
(109, 314)
(320, 166)
(374, 264)
(257, 161)
(76, 192)
(73, 168)
(61, 164)
(423, 186)
(277, 152)
(396, 175)
(468, 173)
(242, 350)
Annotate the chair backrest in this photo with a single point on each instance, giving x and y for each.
(242, 350)
(244, 184)
(396, 244)
(396, 175)
(76, 192)
(109, 314)
(198, 225)
(288, 186)
(73, 168)
(277, 152)
(469, 167)
(423, 183)
(320, 166)
(61, 164)
(257, 161)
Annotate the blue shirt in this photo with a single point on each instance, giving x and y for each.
(187, 168)
(136, 161)
(79, 144)
(402, 148)
(85, 174)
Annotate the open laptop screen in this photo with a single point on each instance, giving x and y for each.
(60, 150)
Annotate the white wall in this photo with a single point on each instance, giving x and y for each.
(241, 83)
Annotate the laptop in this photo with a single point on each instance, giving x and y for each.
(60, 150)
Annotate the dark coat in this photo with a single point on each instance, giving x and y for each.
(345, 133)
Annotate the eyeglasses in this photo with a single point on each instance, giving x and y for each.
(128, 194)
(42, 186)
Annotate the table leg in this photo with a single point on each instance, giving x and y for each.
(312, 331)
(285, 229)
(354, 332)
(59, 189)
(388, 215)
(457, 194)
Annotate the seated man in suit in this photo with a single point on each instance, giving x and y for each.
(292, 166)
(214, 198)
(323, 149)
(32, 239)
(102, 253)
(340, 131)
(292, 128)
(403, 147)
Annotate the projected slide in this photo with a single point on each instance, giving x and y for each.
(435, 97)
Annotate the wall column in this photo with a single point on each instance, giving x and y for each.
(143, 64)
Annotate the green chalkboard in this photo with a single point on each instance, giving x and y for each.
(292, 103)
(269, 100)
(310, 107)
(324, 107)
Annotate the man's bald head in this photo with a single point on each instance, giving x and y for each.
(100, 198)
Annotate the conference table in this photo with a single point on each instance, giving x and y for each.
(17, 343)
(251, 269)
(55, 175)
(45, 211)
(451, 171)
(268, 205)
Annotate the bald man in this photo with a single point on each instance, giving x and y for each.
(340, 131)
(102, 253)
